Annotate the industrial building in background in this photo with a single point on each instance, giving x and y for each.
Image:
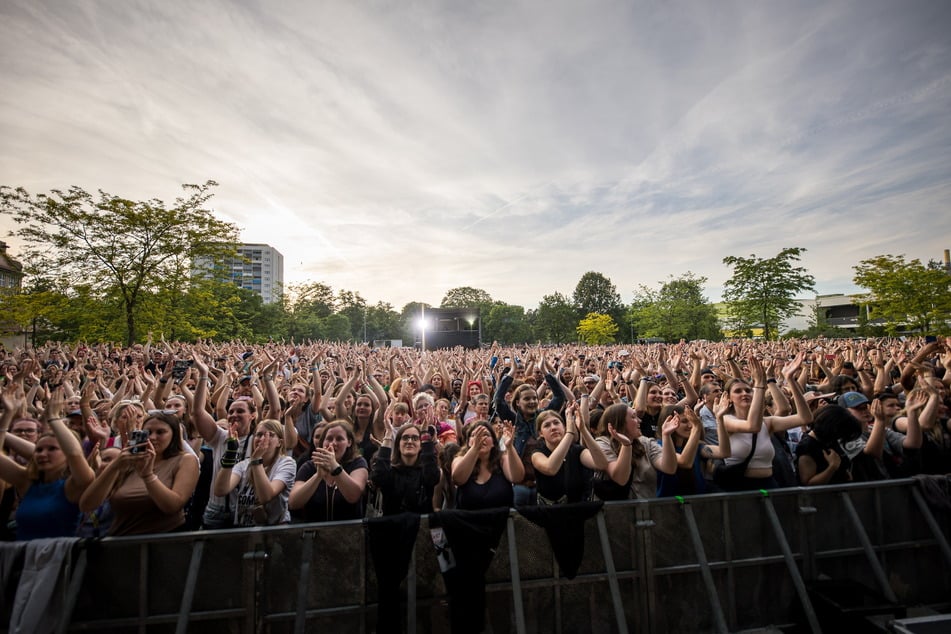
(256, 267)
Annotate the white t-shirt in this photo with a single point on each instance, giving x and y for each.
(283, 469)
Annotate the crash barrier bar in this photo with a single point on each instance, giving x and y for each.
(715, 562)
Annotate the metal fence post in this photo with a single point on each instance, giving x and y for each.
(873, 561)
(612, 574)
(791, 564)
(516, 578)
(198, 549)
(303, 581)
(711, 587)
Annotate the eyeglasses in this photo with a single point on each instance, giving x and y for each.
(24, 432)
(405, 438)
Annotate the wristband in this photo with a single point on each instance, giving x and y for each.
(255, 461)
(151, 478)
(163, 381)
(770, 380)
(337, 471)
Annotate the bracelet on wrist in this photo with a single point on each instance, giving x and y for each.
(759, 387)
(770, 381)
(150, 478)
(255, 461)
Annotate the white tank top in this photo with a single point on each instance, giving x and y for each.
(741, 443)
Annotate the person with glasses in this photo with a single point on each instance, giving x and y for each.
(404, 470)
(26, 429)
(262, 481)
(241, 413)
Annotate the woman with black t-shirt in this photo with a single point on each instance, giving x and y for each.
(485, 469)
(563, 468)
(330, 486)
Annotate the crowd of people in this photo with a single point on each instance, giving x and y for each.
(99, 440)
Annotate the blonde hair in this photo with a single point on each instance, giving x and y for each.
(275, 427)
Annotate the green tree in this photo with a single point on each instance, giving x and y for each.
(761, 291)
(383, 322)
(506, 324)
(335, 327)
(354, 307)
(595, 293)
(597, 329)
(678, 310)
(905, 293)
(555, 320)
(307, 304)
(466, 297)
(121, 248)
(39, 310)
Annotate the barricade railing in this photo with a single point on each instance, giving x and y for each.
(718, 562)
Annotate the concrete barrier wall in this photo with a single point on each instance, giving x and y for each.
(643, 570)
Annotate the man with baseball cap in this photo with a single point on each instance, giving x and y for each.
(880, 453)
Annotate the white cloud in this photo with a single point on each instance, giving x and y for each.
(404, 150)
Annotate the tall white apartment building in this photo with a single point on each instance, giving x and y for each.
(258, 268)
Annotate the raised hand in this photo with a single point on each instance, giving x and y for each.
(97, 430)
(670, 425)
(792, 368)
(722, 406)
(621, 438)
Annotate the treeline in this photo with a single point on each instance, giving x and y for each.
(105, 268)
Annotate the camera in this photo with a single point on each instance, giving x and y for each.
(138, 439)
(180, 368)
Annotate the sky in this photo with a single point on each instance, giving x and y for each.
(400, 149)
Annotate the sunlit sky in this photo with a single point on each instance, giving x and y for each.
(401, 149)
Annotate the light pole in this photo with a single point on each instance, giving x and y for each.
(422, 327)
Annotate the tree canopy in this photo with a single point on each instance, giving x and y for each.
(595, 293)
(555, 320)
(678, 310)
(466, 297)
(597, 329)
(761, 292)
(118, 248)
(905, 294)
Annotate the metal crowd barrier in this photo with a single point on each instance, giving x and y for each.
(719, 562)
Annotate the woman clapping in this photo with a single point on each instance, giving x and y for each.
(263, 481)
